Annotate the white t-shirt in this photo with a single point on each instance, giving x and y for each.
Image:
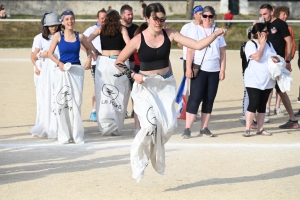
(40, 43)
(257, 74)
(211, 61)
(187, 28)
(96, 42)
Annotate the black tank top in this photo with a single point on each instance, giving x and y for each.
(115, 42)
(154, 58)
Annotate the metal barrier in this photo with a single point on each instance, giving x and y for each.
(138, 20)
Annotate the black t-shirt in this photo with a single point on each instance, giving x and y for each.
(131, 31)
(278, 30)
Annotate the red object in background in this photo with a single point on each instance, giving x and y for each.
(228, 16)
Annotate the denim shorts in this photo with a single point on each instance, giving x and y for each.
(112, 57)
(166, 75)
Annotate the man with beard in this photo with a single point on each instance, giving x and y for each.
(127, 16)
(280, 38)
(97, 44)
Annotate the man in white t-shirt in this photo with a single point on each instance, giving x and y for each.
(97, 44)
(190, 27)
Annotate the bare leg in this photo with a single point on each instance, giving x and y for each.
(287, 104)
(249, 119)
(278, 100)
(94, 101)
(189, 120)
(268, 105)
(260, 120)
(205, 119)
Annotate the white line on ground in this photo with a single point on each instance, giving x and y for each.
(172, 145)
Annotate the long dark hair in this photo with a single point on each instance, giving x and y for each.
(111, 25)
(141, 28)
(46, 32)
(258, 27)
(154, 8)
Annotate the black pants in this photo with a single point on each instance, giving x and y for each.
(203, 89)
(257, 99)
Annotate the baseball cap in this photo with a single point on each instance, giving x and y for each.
(67, 12)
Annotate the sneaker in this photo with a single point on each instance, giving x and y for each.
(267, 111)
(266, 120)
(186, 133)
(298, 100)
(254, 125)
(206, 132)
(278, 111)
(115, 133)
(242, 121)
(290, 125)
(297, 113)
(93, 116)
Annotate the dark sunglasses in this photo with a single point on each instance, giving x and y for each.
(209, 16)
(163, 19)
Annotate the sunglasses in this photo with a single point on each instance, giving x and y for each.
(209, 16)
(163, 19)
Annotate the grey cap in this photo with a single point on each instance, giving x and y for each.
(51, 19)
(249, 29)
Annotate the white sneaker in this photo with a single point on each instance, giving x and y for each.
(267, 111)
(266, 120)
(115, 133)
(278, 111)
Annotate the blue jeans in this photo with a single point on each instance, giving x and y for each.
(166, 75)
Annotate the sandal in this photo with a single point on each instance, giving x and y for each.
(246, 133)
(262, 133)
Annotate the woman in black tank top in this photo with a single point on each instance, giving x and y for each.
(111, 93)
(154, 89)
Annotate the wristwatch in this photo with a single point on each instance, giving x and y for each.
(288, 61)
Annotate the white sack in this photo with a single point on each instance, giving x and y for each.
(112, 95)
(68, 86)
(50, 121)
(279, 73)
(154, 105)
(39, 129)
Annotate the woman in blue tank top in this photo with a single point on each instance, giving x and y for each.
(69, 80)
(154, 90)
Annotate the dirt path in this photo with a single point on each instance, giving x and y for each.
(226, 167)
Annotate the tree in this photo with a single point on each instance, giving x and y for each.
(189, 9)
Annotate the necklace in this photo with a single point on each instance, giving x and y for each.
(205, 30)
(154, 34)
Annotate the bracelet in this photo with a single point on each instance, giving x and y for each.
(215, 34)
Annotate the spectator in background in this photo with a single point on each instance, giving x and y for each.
(2, 12)
(228, 16)
(280, 37)
(109, 8)
(97, 44)
(143, 10)
(282, 12)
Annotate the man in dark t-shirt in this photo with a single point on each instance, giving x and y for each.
(280, 37)
(127, 16)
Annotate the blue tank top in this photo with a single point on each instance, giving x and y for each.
(69, 51)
